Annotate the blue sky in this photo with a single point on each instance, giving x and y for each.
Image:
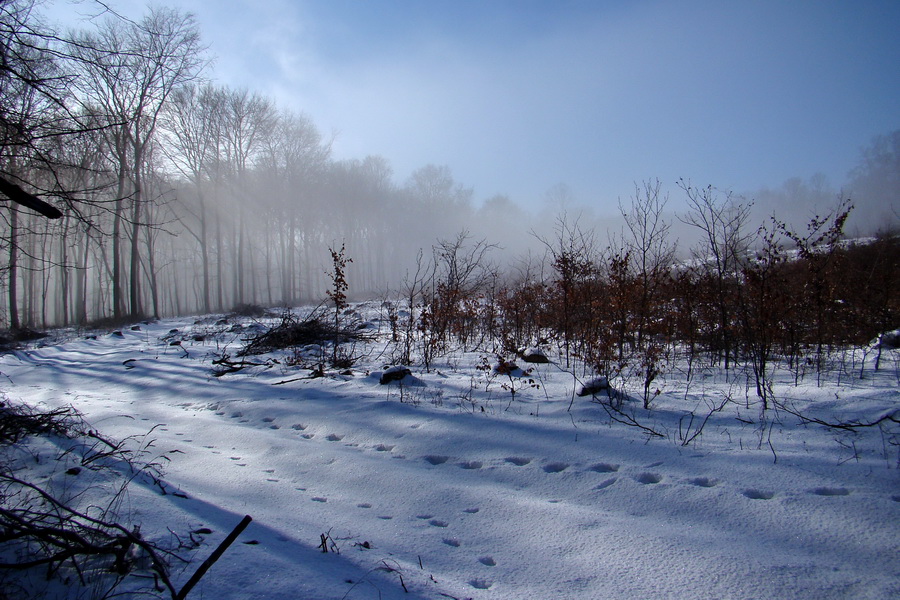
(517, 96)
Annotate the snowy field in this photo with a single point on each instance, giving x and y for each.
(447, 486)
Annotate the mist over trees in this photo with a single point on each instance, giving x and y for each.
(173, 194)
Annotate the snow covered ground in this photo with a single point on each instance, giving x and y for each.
(448, 487)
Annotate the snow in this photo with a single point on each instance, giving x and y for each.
(449, 485)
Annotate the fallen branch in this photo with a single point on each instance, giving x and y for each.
(210, 561)
(853, 425)
(624, 418)
(62, 534)
(229, 366)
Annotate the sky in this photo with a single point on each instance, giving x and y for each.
(517, 97)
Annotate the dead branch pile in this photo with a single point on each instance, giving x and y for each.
(17, 422)
(294, 332)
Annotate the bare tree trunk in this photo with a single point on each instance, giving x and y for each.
(13, 266)
(204, 251)
(30, 292)
(236, 231)
(293, 264)
(80, 316)
(137, 308)
(64, 291)
(151, 265)
(268, 253)
(118, 301)
(220, 301)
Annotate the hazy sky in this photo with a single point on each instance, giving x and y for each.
(518, 95)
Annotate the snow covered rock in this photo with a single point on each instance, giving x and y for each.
(395, 373)
(593, 386)
(889, 340)
(534, 355)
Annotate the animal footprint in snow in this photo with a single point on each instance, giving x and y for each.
(268, 419)
(437, 523)
(605, 468)
(436, 459)
(471, 511)
(319, 499)
(235, 457)
(759, 494)
(827, 491)
(424, 517)
(471, 465)
(298, 426)
(704, 482)
(519, 461)
(309, 436)
(384, 447)
(480, 584)
(488, 561)
(606, 484)
(333, 437)
(555, 467)
(648, 478)
(451, 542)
(364, 505)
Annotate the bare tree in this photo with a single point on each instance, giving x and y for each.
(248, 118)
(293, 164)
(192, 136)
(721, 220)
(648, 243)
(651, 254)
(130, 69)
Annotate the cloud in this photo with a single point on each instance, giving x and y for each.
(517, 96)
